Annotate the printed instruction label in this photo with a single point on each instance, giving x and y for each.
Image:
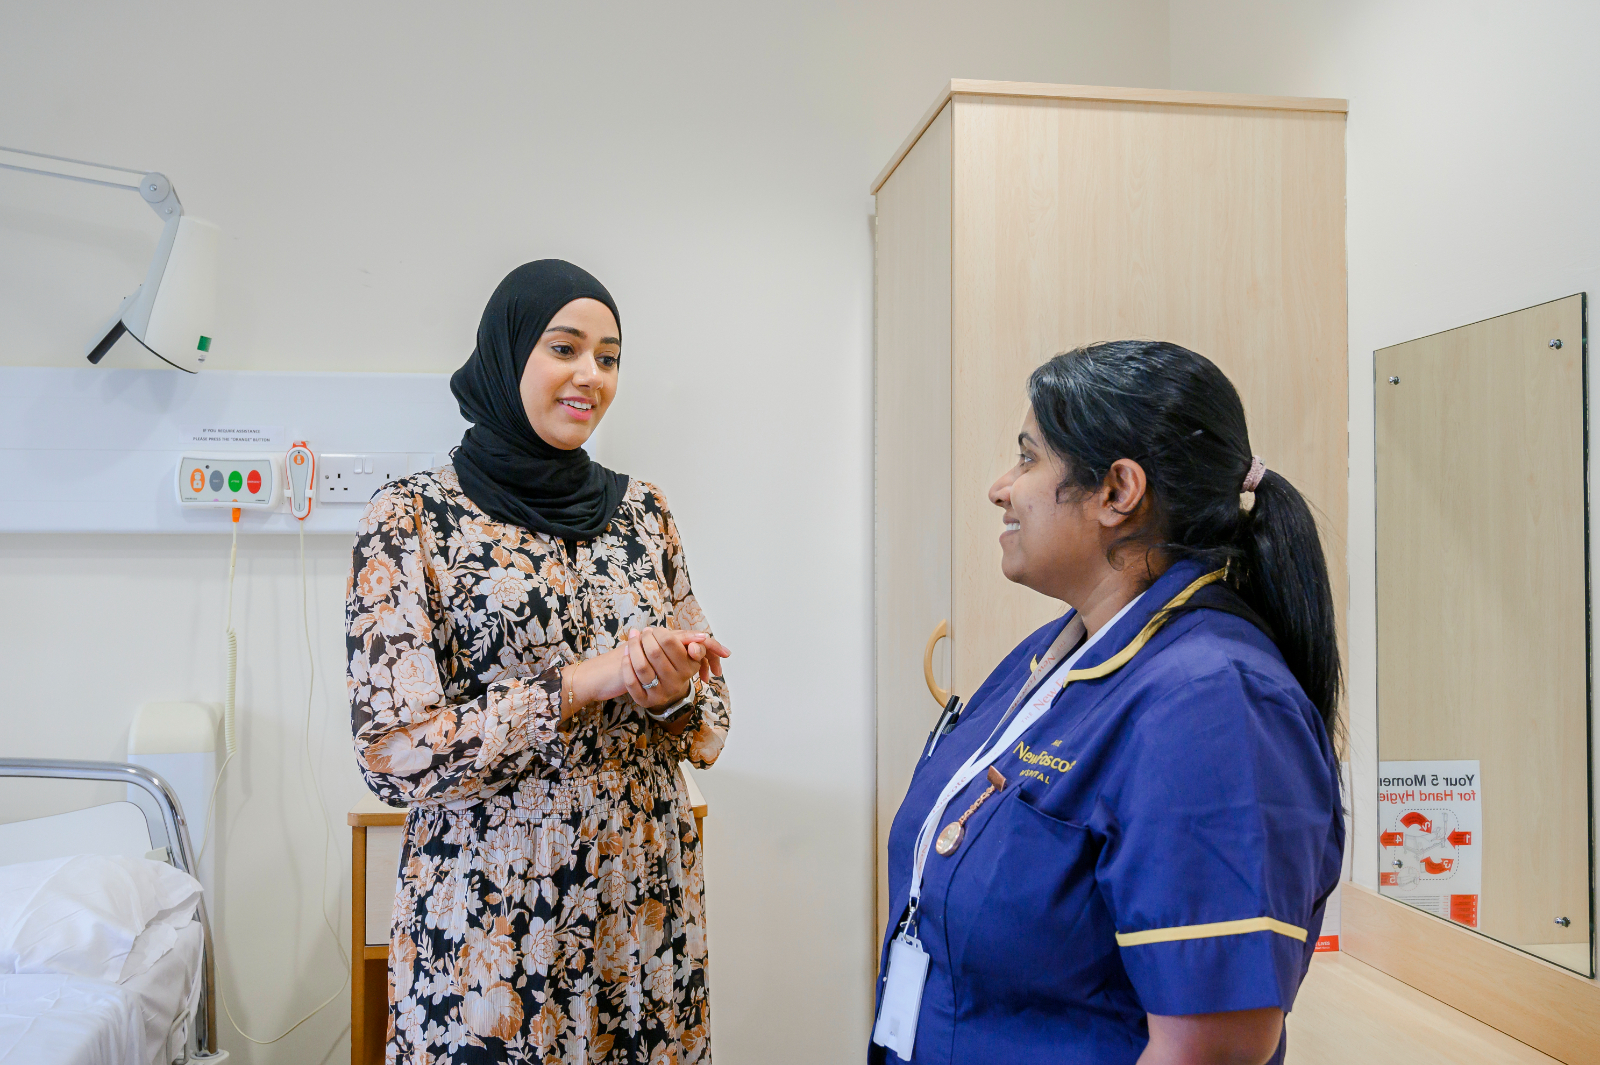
(1430, 836)
(269, 437)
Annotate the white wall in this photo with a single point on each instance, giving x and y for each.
(376, 168)
(1473, 148)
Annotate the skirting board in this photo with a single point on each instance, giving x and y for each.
(1548, 1008)
(96, 449)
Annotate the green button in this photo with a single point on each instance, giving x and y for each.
(205, 344)
(235, 481)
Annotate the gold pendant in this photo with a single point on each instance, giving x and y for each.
(950, 838)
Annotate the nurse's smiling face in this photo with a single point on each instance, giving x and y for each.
(1062, 542)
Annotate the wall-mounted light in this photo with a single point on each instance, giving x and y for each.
(174, 312)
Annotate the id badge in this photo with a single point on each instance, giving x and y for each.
(902, 997)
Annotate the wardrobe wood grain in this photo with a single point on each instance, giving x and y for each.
(912, 462)
(1182, 97)
(1350, 1012)
(1548, 1008)
(1218, 228)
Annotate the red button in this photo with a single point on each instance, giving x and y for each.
(253, 482)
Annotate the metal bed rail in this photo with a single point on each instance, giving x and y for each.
(203, 1033)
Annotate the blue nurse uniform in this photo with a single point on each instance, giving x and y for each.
(1167, 835)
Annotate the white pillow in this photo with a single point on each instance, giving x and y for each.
(80, 915)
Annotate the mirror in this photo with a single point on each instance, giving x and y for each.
(1483, 629)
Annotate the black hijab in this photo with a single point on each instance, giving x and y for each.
(505, 467)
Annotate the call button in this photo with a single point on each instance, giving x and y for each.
(253, 482)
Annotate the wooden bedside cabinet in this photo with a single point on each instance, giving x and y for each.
(376, 832)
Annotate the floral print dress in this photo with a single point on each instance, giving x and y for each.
(550, 904)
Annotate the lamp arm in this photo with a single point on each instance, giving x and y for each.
(153, 186)
(133, 317)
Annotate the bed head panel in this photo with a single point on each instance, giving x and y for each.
(115, 829)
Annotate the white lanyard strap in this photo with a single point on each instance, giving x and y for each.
(1045, 682)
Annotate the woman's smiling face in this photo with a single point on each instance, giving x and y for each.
(1061, 540)
(1052, 538)
(1043, 540)
(571, 376)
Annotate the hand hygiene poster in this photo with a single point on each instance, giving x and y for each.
(1430, 824)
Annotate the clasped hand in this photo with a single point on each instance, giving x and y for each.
(668, 657)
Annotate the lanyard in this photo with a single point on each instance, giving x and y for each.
(1045, 687)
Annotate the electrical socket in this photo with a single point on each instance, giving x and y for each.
(356, 478)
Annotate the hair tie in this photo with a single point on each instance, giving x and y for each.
(1252, 480)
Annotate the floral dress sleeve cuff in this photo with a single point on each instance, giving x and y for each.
(530, 707)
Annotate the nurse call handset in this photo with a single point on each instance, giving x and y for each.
(301, 466)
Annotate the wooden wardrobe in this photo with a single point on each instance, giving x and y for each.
(1021, 220)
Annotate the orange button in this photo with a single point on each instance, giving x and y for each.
(197, 480)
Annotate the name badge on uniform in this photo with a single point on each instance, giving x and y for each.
(902, 996)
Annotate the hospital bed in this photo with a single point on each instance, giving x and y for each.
(163, 1010)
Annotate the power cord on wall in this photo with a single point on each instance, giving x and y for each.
(231, 744)
(230, 682)
(316, 786)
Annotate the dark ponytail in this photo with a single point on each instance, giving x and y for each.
(1179, 417)
(1284, 576)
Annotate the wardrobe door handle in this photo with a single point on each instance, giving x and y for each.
(940, 696)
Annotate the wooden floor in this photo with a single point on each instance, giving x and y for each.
(1350, 1012)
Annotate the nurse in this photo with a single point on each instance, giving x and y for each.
(1121, 851)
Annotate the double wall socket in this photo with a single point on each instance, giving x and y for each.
(356, 478)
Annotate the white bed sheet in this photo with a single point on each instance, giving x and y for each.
(166, 993)
(67, 1020)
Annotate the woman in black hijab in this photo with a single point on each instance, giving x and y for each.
(528, 666)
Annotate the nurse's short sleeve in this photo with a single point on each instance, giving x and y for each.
(1219, 831)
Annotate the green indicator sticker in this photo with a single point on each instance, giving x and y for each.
(235, 481)
(205, 344)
